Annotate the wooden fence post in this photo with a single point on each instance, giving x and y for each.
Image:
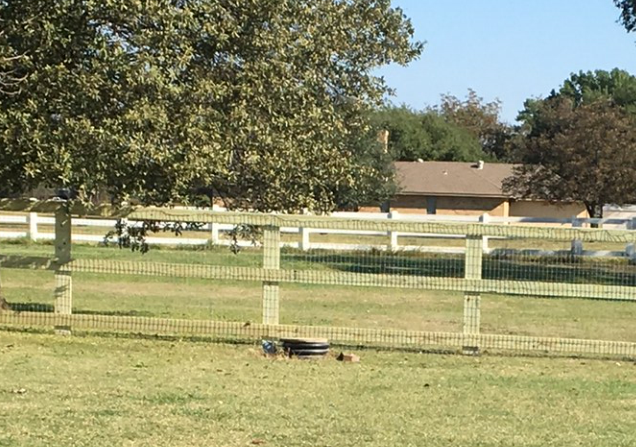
(63, 281)
(393, 235)
(32, 220)
(271, 260)
(577, 244)
(485, 219)
(305, 243)
(472, 301)
(630, 249)
(214, 233)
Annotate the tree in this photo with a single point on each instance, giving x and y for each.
(374, 175)
(585, 154)
(628, 14)
(259, 101)
(426, 135)
(480, 119)
(617, 85)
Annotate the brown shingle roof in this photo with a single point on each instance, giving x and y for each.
(446, 178)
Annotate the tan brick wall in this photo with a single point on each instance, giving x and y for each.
(459, 206)
(527, 208)
(409, 204)
(475, 206)
(470, 206)
(370, 209)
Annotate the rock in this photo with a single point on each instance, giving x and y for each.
(351, 358)
(269, 347)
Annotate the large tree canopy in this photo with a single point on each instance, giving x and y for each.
(617, 85)
(481, 119)
(583, 153)
(262, 101)
(426, 135)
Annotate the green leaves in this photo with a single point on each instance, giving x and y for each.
(585, 153)
(427, 135)
(259, 102)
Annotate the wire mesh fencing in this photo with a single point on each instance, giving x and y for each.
(399, 284)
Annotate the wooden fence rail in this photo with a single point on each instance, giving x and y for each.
(36, 225)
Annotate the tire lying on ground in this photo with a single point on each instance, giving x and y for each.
(306, 347)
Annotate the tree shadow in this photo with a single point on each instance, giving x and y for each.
(557, 268)
(380, 264)
(43, 307)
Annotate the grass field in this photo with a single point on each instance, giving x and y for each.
(342, 306)
(97, 392)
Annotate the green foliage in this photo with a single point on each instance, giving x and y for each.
(481, 120)
(373, 174)
(628, 14)
(257, 100)
(426, 135)
(587, 87)
(578, 144)
(583, 153)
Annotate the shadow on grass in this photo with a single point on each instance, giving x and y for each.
(42, 307)
(31, 307)
(562, 269)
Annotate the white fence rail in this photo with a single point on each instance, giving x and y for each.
(37, 228)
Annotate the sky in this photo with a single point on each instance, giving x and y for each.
(509, 50)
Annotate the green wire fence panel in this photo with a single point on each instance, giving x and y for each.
(395, 283)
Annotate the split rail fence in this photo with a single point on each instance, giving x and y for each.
(471, 272)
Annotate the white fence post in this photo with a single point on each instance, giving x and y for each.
(63, 280)
(577, 244)
(214, 233)
(305, 243)
(304, 238)
(214, 228)
(32, 220)
(630, 249)
(393, 235)
(485, 219)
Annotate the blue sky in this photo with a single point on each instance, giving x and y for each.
(507, 49)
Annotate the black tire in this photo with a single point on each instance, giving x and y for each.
(308, 352)
(306, 345)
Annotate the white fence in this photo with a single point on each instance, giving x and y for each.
(38, 228)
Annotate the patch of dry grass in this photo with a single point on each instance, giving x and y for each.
(116, 392)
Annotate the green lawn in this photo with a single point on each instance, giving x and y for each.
(97, 392)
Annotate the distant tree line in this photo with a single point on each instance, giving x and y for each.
(576, 144)
(454, 130)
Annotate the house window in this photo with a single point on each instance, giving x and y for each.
(431, 205)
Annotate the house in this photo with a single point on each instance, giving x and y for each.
(457, 188)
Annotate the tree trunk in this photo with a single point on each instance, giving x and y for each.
(595, 210)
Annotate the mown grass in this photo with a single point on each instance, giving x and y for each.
(102, 392)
